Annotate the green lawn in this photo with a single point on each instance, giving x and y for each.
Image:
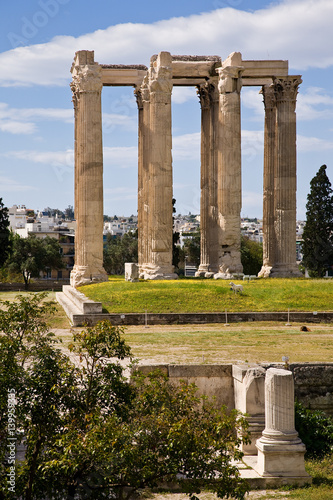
(200, 295)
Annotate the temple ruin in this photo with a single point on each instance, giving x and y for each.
(218, 83)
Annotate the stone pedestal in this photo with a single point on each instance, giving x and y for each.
(86, 87)
(249, 389)
(229, 167)
(280, 450)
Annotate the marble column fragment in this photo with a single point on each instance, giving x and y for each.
(87, 87)
(285, 186)
(280, 450)
(269, 242)
(160, 170)
(229, 167)
(209, 101)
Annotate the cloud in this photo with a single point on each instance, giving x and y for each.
(9, 185)
(298, 30)
(49, 158)
(22, 123)
(307, 144)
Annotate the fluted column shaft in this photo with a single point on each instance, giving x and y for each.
(87, 87)
(142, 95)
(269, 174)
(285, 177)
(209, 102)
(160, 169)
(229, 171)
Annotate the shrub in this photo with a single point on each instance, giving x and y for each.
(315, 429)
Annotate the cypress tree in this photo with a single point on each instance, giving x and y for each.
(317, 243)
(4, 233)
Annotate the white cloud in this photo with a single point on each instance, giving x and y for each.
(9, 185)
(297, 30)
(47, 158)
(22, 123)
(314, 103)
(121, 157)
(186, 147)
(307, 144)
(180, 95)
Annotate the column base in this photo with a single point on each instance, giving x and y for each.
(265, 271)
(285, 271)
(153, 272)
(281, 458)
(205, 271)
(84, 275)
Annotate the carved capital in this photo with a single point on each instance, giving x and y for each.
(207, 93)
(230, 79)
(269, 97)
(286, 89)
(86, 78)
(160, 74)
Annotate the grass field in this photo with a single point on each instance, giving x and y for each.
(200, 295)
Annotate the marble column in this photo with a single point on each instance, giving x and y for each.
(87, 87)
(285, 186)
(209, 101)
(143, 101)
(269, 242)
(160, 170)
(229, 168)
(280, 450)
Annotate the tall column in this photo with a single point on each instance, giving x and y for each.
(87, 87)
(269, 241)
(229, 167)
(160, 170)
(209, 101)
(143, 101)
(280, 450)
(285, 178)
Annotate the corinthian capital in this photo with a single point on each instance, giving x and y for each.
(269, 97)
(286, 89)
(207, 93)
(160, 73)
(230, 79)
(86, 74)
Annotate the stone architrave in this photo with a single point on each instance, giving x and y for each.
(86, 87)
(269, 240)
(160, 265)
(280, 450)
(229, 167)
(209, 101)
(285, 186)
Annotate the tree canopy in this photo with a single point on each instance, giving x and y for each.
(90, 432)
(317, 246)
(31, 255)
(117, 251)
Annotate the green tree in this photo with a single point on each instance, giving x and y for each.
(91, 433)
(117, 251)
(251, 256)
(4, 233)
(191, 248)
(30, 256)
(317, 246)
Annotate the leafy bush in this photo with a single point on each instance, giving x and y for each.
(315, 429)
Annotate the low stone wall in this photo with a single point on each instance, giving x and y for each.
(34, 286)
(313, 383)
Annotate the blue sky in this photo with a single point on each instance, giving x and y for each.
(38, 39)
